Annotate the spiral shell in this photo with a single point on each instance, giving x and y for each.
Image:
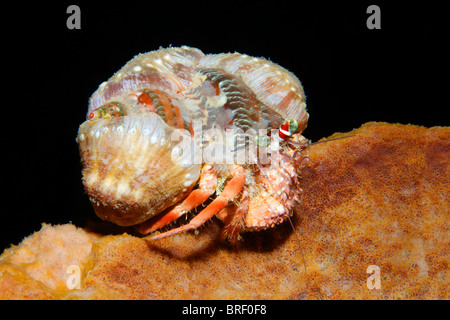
(273, 85)
(132, 167)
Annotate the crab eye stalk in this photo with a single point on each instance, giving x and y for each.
(288, 128)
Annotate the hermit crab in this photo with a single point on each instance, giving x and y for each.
(175, 129)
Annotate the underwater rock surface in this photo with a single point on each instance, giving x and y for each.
(378, 198)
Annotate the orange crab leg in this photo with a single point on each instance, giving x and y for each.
(207, 186)
(231, 191)
(234, 223)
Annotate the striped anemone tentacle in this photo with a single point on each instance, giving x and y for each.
(159, 102)
(108, 111)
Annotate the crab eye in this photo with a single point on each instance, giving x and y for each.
(263, 141)
(293, 125)
(288, 127)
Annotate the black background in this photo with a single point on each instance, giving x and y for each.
(351, 75)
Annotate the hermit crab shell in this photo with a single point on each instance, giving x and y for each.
(129, 170)
(170, 70)
(133, 169)
(274, 86)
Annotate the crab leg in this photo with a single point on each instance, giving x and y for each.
(231, 191)
(234, 222)
(207, 186)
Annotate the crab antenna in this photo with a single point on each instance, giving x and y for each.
(340, 138)
(299, 243)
